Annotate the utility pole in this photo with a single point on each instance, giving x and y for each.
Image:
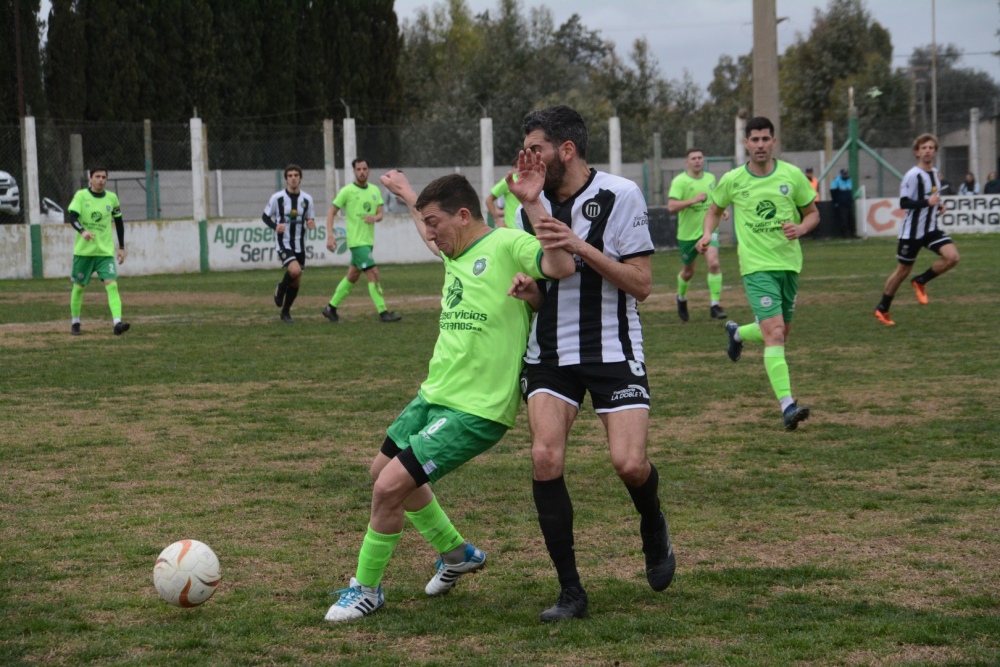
(765, 64)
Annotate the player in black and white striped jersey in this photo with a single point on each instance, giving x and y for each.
(288, 213)
(920, 196)
(587, 338)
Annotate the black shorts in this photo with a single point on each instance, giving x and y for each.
(906, 251)
(287, 257)
(612, 387)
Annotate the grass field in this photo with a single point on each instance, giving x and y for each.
(870, 536)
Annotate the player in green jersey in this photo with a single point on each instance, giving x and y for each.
(362, 206)
(470, 396)
(507, 216)
(91, 213)
(688, 198)
(774, 206)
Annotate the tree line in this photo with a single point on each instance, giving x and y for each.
(261, 63)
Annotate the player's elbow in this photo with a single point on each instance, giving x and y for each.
(642, 291)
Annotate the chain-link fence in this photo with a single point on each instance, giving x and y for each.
(150, 164)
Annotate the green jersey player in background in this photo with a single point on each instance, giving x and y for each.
(688, 198)
(362, 206)
(91, 213)
(774, 206)
(470, 396)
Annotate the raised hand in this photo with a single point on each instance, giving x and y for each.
(530, 177)
(397, 183)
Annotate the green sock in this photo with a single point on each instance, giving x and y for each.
(374, 556)
(682, 286)
(76, 301)
(114, 301)
(436, 527)
(751, 333)
(343, 289)
(715, 286)
(375, 291)
(777, 371)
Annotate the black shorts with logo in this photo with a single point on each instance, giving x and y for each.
(906, 251)
(612, 386)
(287, 257)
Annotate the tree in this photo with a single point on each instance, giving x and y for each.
(958, 89)
(26, 18)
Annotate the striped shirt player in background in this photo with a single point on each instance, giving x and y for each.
(288, 212)
(587, 337)
(920, 197)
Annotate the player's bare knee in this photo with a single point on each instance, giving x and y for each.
(632, 470)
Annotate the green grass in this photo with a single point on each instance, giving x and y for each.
(868, 537)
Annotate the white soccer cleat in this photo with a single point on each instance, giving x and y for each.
(355, 601)
(447, 575)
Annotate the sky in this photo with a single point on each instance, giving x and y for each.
(692, 34)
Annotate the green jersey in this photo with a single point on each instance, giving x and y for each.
(356, 203)
(761, 204)
(510, 202)
(97, 214)
(690, 221)
(483, 332)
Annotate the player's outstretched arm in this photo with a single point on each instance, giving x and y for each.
(398, 185)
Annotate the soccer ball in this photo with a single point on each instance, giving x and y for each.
(186, 573)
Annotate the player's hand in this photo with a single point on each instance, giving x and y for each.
(370, 220)
(398, 184)
(530, 177)
(331, 243)
(791, 230)
(120, 255)
(280, 228)
(525, 288)
(553, 234)
(934, 200)
(87, 236)
(310, 223)
(700, 197)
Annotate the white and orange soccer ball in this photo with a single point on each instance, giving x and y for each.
(186, 573)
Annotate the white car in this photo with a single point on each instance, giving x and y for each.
(10, 196)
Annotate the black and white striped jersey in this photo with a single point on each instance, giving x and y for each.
(917, 186)
(293, 210)
(585, 318)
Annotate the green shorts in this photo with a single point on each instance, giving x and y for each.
(361, 257)
(85, 267)
(772, 293)
(688, 251)
(442, 438)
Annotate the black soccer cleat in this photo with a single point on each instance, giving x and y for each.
(682, 310)
(279, 293)
(716, 313)
(286, 318)
(75, 329)
(121, 328)
(572, 603)
(735, 349)
(389, 316)
(330, 313)
(660, 560)
(793, 414)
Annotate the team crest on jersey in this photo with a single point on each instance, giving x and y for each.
(766, 210)
(454, 295)
(591, 209)
(479, 267)
(784, 189)
(765, 302)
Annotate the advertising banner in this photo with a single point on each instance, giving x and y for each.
(967, 214)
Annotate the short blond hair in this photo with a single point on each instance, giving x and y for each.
(923, 139)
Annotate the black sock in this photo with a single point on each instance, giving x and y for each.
(925, 277)
(884, 304)
(287, 280)
(647, 502)
(290, 298)
(555, 516)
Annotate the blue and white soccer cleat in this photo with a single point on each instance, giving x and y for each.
(447, 575)
(355, 601)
